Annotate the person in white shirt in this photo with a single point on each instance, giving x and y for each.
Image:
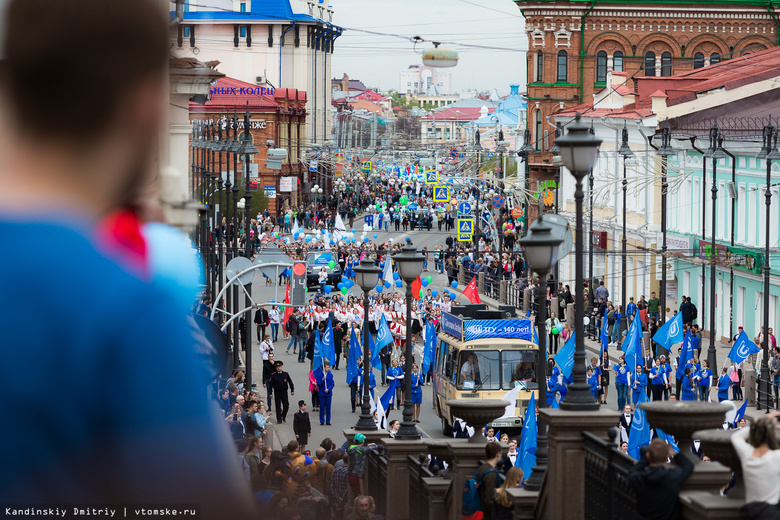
(275, 318)
(758, 449)
(511, 456)
(266, 347)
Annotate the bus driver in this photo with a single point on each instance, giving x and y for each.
(470, 369)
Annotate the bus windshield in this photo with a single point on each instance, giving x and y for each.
(518, 367)
(494, 369)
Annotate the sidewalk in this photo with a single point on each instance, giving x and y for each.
(594, 347)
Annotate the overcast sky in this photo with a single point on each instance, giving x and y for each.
(377, 60)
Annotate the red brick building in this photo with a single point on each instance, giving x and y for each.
(277, 120)
(573, 44)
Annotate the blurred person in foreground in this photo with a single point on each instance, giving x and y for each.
(74, 152)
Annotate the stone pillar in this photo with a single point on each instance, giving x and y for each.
(502, 292)
(397, 453)
(481, 283)
(461, 275)
(371, 436)
(437, 488)
(749, 378)
(570, 312)
(703, 505)
(554, 307)
(524, 502)
(465, 462)
(646, 343)
(527, 295)
(565, 478)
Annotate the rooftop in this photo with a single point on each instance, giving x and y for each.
(227, 92)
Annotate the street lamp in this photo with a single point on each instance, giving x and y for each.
(556, 160)
(665, 151)
(367, 277)
(540, 250)
(770, 153)
(625, 152)
(410, 265)
(578, 153)
(525, 152)
(714, 152)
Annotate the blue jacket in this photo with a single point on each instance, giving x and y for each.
(687, 389)
(325, 382)
(724, 383)
(395, 375)
(417, 382)
(704, 376)
(552, 386)
(631, 309)
(658, 372)
(593, 381)
(621, 373)
(639, 382)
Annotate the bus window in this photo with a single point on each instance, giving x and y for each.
(517, 366)
(479, 370)
(448, 363)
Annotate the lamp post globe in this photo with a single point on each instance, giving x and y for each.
(410, 265)
(366, 276)
(578, 150)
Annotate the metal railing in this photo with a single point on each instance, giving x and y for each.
(765, 398)
(492, 286)
(419, 498)
(608, 495)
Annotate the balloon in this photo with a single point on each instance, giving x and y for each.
(424, 282)
(328, 289)
(379, 289)
(340, 285)
(434, 293)
(454, 284)
(353, 230)
(296, 235)
(398, 283)
(422, 293)
(331, 264)
(408, 239)
(430, 279)
(376, 236)
(453, 296)
(555, 332)
(365, 240)
(344, 290)
(388, 284)
(586, 321)
(396, 276)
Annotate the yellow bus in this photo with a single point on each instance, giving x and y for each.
(484, 359)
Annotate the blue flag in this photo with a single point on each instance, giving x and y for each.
(329, 345)
(640, 431)
(604, 335)
(430, 347)
(352, 354)
(670, 332)
(555, 403)
(536, 336)
(388, 398)
(565, 357)
(742, 348)
(632, 345)
(383, 335)
(740, 412)
(685, 354)
(372, 347)
(668, 438)
(316, 366)
(527, 449)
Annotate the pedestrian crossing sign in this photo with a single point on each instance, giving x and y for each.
(466, 226)
(464, 237)
(431, 177)
(441, 194)
(367, 166)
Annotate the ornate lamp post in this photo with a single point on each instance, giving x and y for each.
(770, 153)
(410, 265)
(714, 152)
(367, 276)
(625, 152)
(540, 250)
(578, 153)
(525, 152)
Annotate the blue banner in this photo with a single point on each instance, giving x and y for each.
(452, 325)
(508, 329)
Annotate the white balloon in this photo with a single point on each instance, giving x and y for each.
(585, 320)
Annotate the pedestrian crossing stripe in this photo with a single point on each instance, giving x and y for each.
(431, 177)
(465, 237)
(466, 226)
(441, 194)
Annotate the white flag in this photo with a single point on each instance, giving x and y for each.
(511, 398)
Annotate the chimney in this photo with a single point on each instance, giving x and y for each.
(345, 83)
(659, 104)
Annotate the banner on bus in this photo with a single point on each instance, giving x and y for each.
(469, 330)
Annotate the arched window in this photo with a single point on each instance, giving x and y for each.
(601, 67)
(666, 64)
(617, 61)
(698, 60)
(714, 58)
(538, 130)
(539, 66)
(650, 64)
(563, 67)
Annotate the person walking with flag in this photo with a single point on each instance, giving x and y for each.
(723, 386)
(688, 386)
(621, 381)
(639, 383)
(325, 386)
(417, 382)
(704, 378)
(658, 380)
(395, 377)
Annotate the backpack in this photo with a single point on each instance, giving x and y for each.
(471, 505)
(694, 312)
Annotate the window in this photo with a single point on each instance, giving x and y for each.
(242, 31)
(666, 64)
(408, 83)
(538, 130)
(601, 67)
(563, 66)
(479, 370)
(650, 64)
(698, 60)
(518, 367)
(539, 66)
(617, 61)
(186, 32)
(714, 58)
(243, 7)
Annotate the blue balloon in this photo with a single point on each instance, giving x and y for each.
(376, 236)
(454, 284)
(328, 289)
(408, 239)
(323, 231)
(332, 242)
(387, 284)
(396, 276)
(340, 285)
(308, 239)
(365, 240)
(453, 296)
(434, 293)
(398, 283)
(379, 289)
(425, 282)
(353, 230)
(344, 279)
(296, 235)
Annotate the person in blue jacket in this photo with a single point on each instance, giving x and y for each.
(371, 384)
(688, 386)
(723, 386)
(659, 380)
(621, 382)
(593, 381)
(667, 368)
(395, 377)
(639, 383)
(325, 386)
(418, 380)
(552, 387)
(704, 378)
